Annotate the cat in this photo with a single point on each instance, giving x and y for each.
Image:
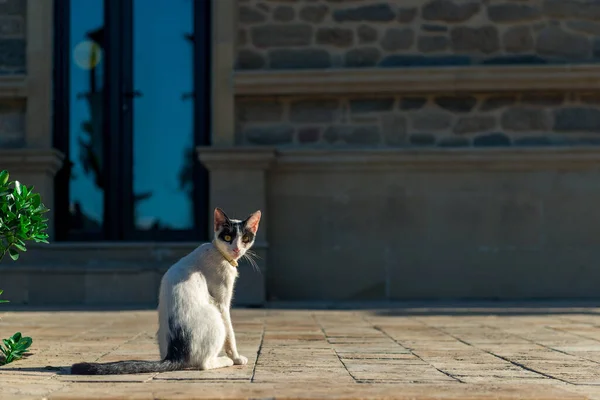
(194, 302)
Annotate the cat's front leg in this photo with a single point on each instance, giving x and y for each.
(230, 344)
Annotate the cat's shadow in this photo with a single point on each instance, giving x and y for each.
(49, 369)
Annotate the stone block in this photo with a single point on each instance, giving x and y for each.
(432, 44)
(583, 26)
(284, 14)
(453, 142)
(281, 35)
(422, 139)
(406, 15)
(248, 59)
(394, 129)
(409, 60)
(259, 111)
(13, 7)
(396, 39)
(314, 14)
(495, 102)
(362, 57)
(367, 34)
(430, 120)
(381, 12)
(456, 104)
(577, 119)
(491, 140)
(353, 134)
(314, 111)
(338, 37)
(545, 99)
(484, 39)
(250, 15)
(571, 9)
(474, 124)
(12, 53)
(269, 134)
(299, 59)
(12, 27)
(412, 103)
(449, 11)
(518, 39)
(510, 12)
(309, 134)
(555, 42)
(526, 119)
(367, 105)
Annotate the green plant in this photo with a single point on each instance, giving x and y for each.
(21, 217)
(14, 347)
(21, 220)
(3, 301)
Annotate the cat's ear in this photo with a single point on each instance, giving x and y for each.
(220, 218)
(252, 222)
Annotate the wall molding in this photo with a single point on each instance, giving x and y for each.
(403, 159)
(46, 161)
(13, 87)
(418, 80)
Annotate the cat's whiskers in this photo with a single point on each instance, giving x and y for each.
(250, 256)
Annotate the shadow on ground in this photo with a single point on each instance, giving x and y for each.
(405, 308)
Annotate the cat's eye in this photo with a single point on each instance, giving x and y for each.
(227, 238)
(245, 238)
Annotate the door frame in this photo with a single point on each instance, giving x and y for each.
(118, 221)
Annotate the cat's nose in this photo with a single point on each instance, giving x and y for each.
(236, 250)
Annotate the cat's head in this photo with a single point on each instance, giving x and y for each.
(235, 237)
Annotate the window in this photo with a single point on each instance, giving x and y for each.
(131, 86)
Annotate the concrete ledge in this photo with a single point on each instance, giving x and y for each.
(27, 160)
(219, 158)
(102, 273)
(13, 87)
(418, 80)
(477, 223)
(373, 159)
(471, 159)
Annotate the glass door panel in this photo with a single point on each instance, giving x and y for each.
(163, 120)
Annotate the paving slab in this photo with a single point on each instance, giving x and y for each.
(421, 353)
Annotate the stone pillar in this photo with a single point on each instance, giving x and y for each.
(224, 32)
(238, 185)
(35, 167)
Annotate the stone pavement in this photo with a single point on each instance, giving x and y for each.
(418, 353)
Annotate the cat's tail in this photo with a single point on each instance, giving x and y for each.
(125, 367)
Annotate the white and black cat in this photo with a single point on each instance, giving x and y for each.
(194, 302)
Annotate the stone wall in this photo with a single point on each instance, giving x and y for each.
(445, 120)
(12, 123)
(12, 37)
(12, 62)
(289, 34)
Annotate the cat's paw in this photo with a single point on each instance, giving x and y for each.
(240, 360)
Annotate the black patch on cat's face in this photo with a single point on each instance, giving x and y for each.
(231, 230)
(178, 349)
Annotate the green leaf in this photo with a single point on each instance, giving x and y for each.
(16, 337)
(36, 200)
(4, 177)
(18, 187)
(14, 254)
(24, 344)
